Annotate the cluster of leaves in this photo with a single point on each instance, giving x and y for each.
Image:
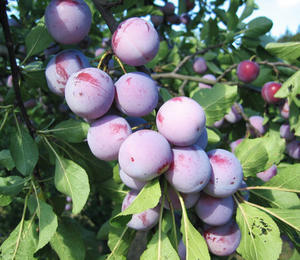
(38, 172)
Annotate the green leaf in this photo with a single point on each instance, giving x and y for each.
(248, 10)
(11, 185)
(289, 51)
(260, 234)
(161, 55)
(47, 221)
(67, 241)
(38, 39)
(290, 87)
(258, 26)
(165, 95)
(288, 216)
(216, 101)
(165, 252)
(5, 200)
(71, 131)
(73, 181)
(143, 11)
(252, 155)
(213, 137)
(119, 240)
(147, 198)
(24, 151)
(196, 247)
(6, 160)
(294, 118)
(21, 243)
(286, 178)
(213, 67)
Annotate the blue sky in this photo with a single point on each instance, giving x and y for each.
(284, 14)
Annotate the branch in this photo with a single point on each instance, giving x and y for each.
(14, 67)
(278, 64)
(113, 25)
(182, 77)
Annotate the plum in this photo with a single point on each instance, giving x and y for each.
(234, 116)
(209, 77)
(257, 123)
(89, 93)
(234, 144)
(99, 51)
(214, 211)
(202, 140)
(227, 174)
(61, 66)
(181, 250)
(219, 123)
(68, 21)
(190, 170)
(106, 135)
(267, 174)
(144, 220)
(199, 65)
(285, 132)
(247, 71)
(223, 240)
(293, 149)
(131, 182)
(269, 90)
(136, 94)
(181, 120)
(285, 109)
(9, 81)
(135, 41)
(145, 155)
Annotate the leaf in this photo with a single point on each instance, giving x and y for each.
(47, 221)
(213, 137)
(72, 180)
(38, 39)
(163, 52)
(248, 10)
(11, 185)
(165, 252)
(147, 198)
(288, 216)
(287, 178)
(290, 87)
(216, 101)
(294, 118)
(196, 247)
(24, 151)
(119, 240)
(260, 234)
(252, 155)
(6, 160)
(165, 95)
(258, 26)
(5, 200)
(71, 131)
(213, 67)
(21, 246)
(289, 51)
(143, 11)
(67, 241)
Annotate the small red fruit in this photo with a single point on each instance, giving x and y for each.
(268, 91)
(247, 71)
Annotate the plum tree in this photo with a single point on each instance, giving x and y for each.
(223, 240)
(89, 93)
(247, 71)
(227, 174)
(130, 182)
(183, 114)
(190, 170)
(145, 155)
(136, 94)
(61, 67)
(214, 211)
(199, 65)
(267, 174)
(138, 36)
(144, 220)
(106, 135)
(269, 90)
(68, 21)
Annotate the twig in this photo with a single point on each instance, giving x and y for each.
(182, 77)
(113, 25)
(14, 67)
(278, 64)
(181, 88)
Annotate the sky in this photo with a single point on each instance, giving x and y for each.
(284, 14)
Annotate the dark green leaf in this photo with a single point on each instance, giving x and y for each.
(258, 26)
(73, 181)
(24, 151)
(249, 8)
(5, 200)
(6, 160)
(11, 185)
